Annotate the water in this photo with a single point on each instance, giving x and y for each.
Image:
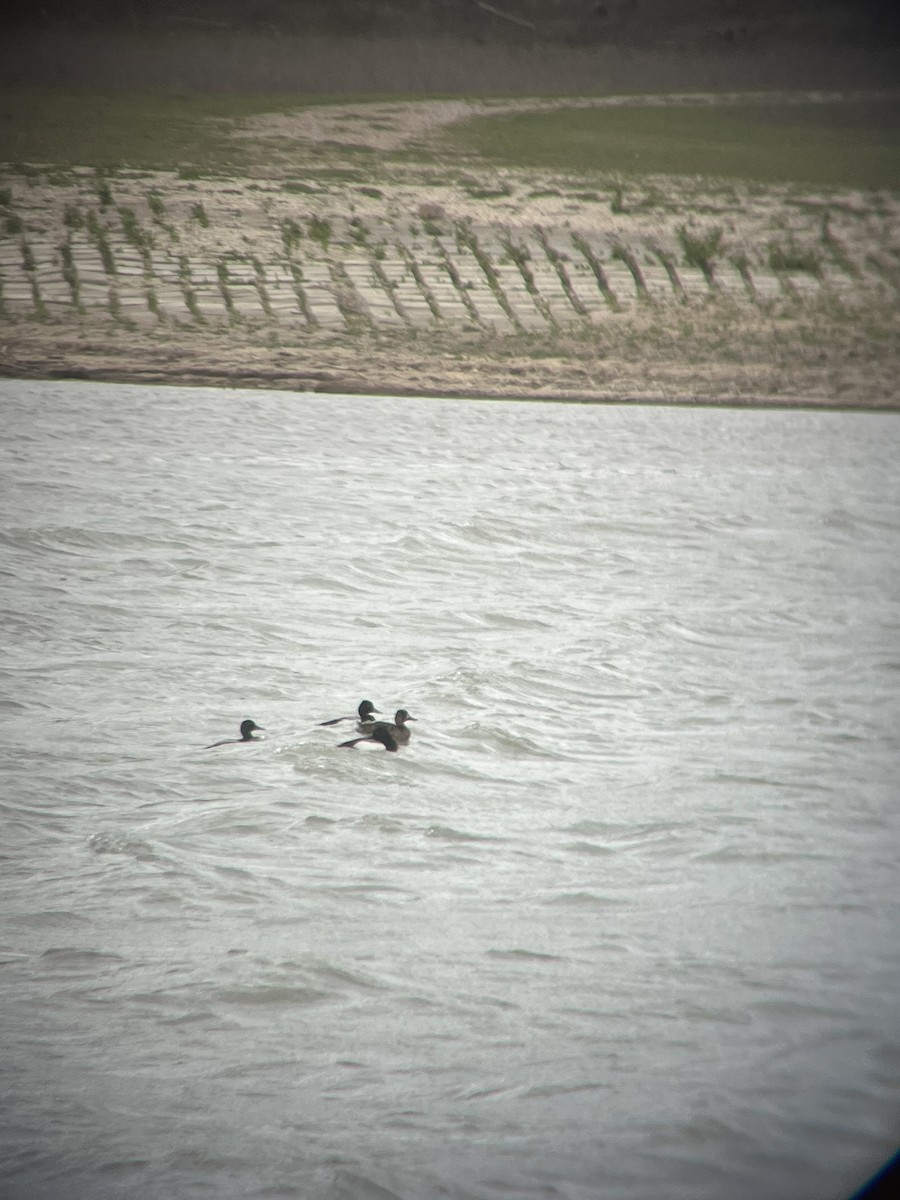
(621, 922)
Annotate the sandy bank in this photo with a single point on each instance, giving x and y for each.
(438, 282)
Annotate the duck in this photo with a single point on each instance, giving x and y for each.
(380, 733)
(398, 729)
(363, 713)
(247, 728)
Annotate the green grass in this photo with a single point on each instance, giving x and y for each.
(794, 258)
(320, 231)
(850, 144)
(149, 130)
(700, 248)
(129, 129)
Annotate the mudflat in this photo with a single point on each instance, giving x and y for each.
(443, 274)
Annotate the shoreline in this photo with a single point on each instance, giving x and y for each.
(387, 373)
(436, 277)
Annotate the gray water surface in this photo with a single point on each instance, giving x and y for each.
(620, 923)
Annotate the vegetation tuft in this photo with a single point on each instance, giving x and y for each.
(157, 206)
(98, 235)
(701, 249)
(134, 233)
(320, 231)
(291, 235)
(104, 192)
(794, 258)
(70, 273)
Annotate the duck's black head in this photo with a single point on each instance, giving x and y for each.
(366, 709)
(247, 728)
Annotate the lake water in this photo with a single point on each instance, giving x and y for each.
(620, 922)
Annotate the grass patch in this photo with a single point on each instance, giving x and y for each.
(157, 206)
(187, 289)
(188, 133)
(466, 235)
(70, 274)
(795, 258)
(98, 235)
(853, 143)
(291, 235)
(133, 231)
(104, 192)
(624, 255)
(134, 129)
(358, 231)
(199, 214)
(320, 231)
(700, 249)
(222, 273)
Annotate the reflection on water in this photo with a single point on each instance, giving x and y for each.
(619, 922)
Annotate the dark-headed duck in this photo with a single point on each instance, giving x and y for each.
(380, 734)
(363, 713)
(398, 730)
(247, 728)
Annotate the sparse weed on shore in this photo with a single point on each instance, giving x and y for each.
(134, 232)
(70, 274)
(700, 249)
(358, 232)
(291, 235)
(791, 257)
(98, 235)
(103, 190)
(320, 231)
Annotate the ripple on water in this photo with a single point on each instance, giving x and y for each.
(653, 658)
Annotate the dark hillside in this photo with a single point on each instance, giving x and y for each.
(483, 46)
(685, 23)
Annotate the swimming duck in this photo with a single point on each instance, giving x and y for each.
(247, 728)
(364, 711)
(398, 730)
(380, 733)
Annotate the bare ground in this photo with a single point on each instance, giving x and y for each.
(832, 340)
